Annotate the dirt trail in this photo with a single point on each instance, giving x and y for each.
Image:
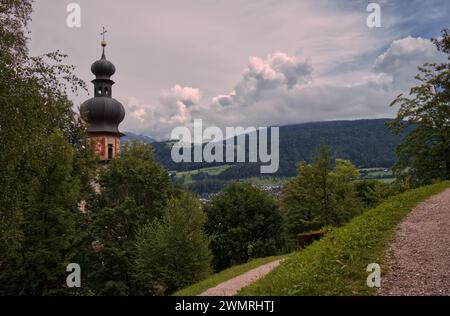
(232, 286)
(419, 257)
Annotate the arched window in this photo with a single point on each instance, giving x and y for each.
(106, 91)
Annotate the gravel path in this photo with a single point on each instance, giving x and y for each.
(232, 286)
(419, 257)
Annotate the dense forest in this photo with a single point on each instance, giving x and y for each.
(367, 143)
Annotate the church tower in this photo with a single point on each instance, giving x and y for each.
(102, 113)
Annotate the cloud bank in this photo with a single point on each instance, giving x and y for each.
(282, 89)
(179, 60)
(401, 59)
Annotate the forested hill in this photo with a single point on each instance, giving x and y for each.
(367, 143)
(137, 137)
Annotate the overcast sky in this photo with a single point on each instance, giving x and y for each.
(245, 62)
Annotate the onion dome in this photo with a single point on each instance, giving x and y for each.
(102, 112)
(103, 115)
(103, 68)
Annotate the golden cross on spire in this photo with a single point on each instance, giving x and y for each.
(103, 35)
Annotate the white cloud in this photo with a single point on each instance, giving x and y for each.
(206, 44)
(186, 95)
(281, 89)
(175, 103)
(401, 59)
(158, 119)
(364, 93)
(138, 114)
(277, 71)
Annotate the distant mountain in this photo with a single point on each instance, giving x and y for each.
(135, 137)
(366, 143)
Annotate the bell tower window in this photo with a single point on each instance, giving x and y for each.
(110, 152)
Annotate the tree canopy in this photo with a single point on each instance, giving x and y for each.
(243, 222)
(322, 194)
(424, 155)
(133, 192)
(172, 252)
(45, 160)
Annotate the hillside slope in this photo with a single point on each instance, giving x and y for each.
(336, 265)
(367, 143)
(129, 136)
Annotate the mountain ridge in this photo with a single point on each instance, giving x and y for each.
(365, 142)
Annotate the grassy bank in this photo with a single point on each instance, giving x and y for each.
(211, 171)
(336, 265)
(223, 276)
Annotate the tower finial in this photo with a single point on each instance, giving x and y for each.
(103, 35)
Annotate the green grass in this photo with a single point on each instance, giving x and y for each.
(224, 275)
(211, 171)
(387, 180)
(381, 174)
(336, 265)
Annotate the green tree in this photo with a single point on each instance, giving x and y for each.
(43, 146)
(49, 223)
(243, 218)
(172, 252)
(134, 191)
(320, 195)
(372, 192)
(424, 155)
(109, 248)
(346, 202)
(137, 176)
